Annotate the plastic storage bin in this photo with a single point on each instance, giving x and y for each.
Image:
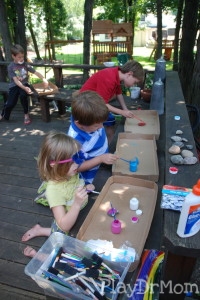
(44, 256)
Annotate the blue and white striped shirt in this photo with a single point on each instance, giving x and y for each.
(93, 145)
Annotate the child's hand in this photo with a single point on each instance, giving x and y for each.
(80, 195)
(90, 187)
(127, 114)
(109, 158)
(28, 90)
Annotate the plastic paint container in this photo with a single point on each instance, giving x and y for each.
(116, 227)
(173, 170)
(135, 92)
(134, 203)
(139, 212)
(134, 219)
(133, 165)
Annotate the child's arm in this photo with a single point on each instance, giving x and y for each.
(65, 220)
(106, 158)
(124, 111)
(23, 87)
(39, 75)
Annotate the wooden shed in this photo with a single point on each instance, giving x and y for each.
(112, 45)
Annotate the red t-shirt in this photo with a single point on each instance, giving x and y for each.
(105, 82)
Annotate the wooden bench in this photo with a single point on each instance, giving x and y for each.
(63, 97)
(4, 86)
(181, 254)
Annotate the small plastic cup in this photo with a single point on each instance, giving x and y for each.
(134, 203)
(116, 227)
(173, 170)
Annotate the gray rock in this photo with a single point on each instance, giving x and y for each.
(189, 147)
(174, 149)
(184, 140)
(179, 144)
(190, 160)
(179, 131)
(177, 159)
(176, 138)
(187, 153)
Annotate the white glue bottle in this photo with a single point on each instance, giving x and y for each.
(189, 221)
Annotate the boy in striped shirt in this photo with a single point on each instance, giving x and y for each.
(89, 111)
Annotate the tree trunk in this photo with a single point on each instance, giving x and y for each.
(195, 82)
(195, 91)
(4, 31)
(186, 56)
(30, 27)
(3, 69)
(50, 35)
(88, 8)
(159, 29)
(177, 31)
(20, 34)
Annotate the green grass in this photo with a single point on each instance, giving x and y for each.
(73, 55)
(141, 54)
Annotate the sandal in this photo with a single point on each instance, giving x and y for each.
(27, 121)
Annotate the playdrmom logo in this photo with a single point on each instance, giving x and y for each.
(142, 286)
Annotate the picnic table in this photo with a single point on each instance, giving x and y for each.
(58, 68)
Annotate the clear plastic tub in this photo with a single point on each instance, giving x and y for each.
(43, 259)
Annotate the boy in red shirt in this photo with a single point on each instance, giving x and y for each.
(107, 83)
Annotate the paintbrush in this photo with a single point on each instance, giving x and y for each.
(94, 273)
(94, 192)
(99, 261)
(95, 293)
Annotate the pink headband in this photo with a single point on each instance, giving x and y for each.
(52, 163)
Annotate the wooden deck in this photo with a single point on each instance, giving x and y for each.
(19, 181)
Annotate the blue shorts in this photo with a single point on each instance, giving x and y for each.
(110, 121)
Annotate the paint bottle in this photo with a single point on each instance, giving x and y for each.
(189, 221)
(133, 165)
(157, 97)
(116, 226)
(134, 203)
(160, 70)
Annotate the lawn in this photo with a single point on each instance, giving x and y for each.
(72, 54)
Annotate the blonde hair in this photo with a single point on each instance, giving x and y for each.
(56, 146)
(89, 108)
(135, 67)
(16, 49)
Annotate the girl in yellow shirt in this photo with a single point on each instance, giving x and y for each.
(65, 192)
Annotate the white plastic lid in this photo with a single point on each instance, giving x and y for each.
(139, 212)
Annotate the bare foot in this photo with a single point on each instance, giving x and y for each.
(29, 251)
(31, 233)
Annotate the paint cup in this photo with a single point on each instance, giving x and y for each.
(116, 226)
(135, 92)
(134, 203)
(133, 165)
